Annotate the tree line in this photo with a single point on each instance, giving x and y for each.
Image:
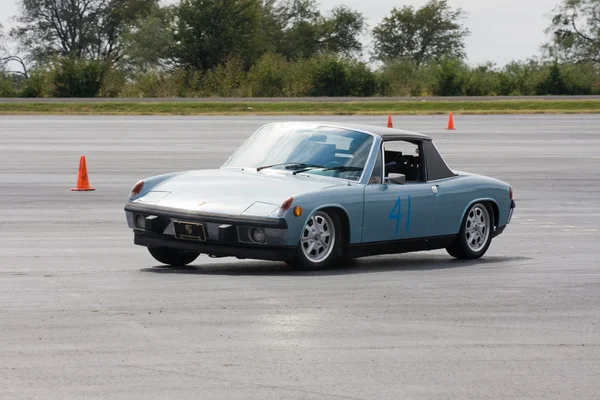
(139, 48)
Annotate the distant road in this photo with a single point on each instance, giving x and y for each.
(287, 99)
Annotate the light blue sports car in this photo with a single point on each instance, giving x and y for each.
(311, 193)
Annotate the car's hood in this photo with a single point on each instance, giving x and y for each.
(232, 192)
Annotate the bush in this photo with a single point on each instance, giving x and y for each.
(269, 77)
(225, 80)
(403, 78)
(327, 75)
(482, 81)
(521, 79)
(582, 79)
(330, 78)
(553, 83)
(274, 76)
(362, 81)
(113, 82)
(7, 86)
(75, 77)
(154, 84)
(450, 78)
(38, 84)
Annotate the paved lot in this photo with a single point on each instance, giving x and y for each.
(85, 313)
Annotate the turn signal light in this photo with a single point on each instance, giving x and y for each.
(297, 211)
(136, 189)
(287, 203)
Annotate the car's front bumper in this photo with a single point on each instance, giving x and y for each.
(214, 248)
(223, 235)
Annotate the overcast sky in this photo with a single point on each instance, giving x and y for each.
(501, 30)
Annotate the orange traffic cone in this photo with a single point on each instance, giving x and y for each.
(83, 183)
(390, 125)
(450, 123)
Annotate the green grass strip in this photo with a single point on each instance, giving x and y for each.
(422, 107)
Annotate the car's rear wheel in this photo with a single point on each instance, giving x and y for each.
(475, 235)
(320, 242)
(171, 257)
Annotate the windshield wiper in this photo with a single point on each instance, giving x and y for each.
(290, 166)
(306, 168)
(343, 168)
(303, 167)
(338, 168)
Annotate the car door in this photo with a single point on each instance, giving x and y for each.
(395, 211)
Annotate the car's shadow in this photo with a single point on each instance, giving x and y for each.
(356, 266)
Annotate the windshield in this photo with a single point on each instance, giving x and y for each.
(299, 148)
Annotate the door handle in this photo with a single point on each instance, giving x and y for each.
(434, 189)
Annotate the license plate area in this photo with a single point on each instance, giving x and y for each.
(189, 230)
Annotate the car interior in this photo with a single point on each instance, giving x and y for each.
(345, 152)
(405, 160)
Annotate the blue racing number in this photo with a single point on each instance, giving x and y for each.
(396, 214)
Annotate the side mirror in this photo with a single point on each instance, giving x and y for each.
(399, 179)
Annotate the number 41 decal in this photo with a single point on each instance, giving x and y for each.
(397, 214)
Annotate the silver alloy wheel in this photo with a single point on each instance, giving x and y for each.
(318, 237)
(477, 229)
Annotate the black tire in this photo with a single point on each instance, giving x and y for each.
(172, 257)
(460, 247)
(302, 262)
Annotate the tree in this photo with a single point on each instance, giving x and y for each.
(148, 44)
(8, 56)
(576, 31)
(297, 29)
(81, 28)
(430, 33)
(207, 32)
(339, 33)
(554, 83)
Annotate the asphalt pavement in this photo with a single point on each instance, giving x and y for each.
(85, 313)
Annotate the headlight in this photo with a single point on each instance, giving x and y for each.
(140, 221)
(257, 235)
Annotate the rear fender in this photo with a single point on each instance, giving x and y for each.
(480, 200)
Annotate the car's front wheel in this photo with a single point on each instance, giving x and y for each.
(320, 242)
(475, 235)
(172, 257)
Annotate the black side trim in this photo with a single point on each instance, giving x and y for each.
(399, 246)
(258, 252)
(195, 216)
(227, 233)
(499, 231)
(155, 223)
